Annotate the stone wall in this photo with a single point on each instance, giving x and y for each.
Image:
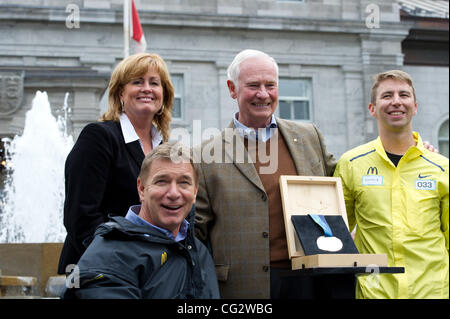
(330, 42)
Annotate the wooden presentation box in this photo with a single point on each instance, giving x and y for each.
(303, 195)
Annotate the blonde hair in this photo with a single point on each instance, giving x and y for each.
(133, 67)
(392, 74)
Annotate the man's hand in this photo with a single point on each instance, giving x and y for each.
(430, 147)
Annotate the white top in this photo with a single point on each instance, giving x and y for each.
(130, 135)
(263, 134)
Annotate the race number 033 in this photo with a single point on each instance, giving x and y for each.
(425, 184)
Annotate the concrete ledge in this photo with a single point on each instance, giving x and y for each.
(17, 286)
(17, 281)
(55, 285)
(38, 260)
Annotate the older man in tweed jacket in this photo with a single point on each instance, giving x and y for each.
(238, 203)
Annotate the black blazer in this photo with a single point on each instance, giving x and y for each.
(100, 179)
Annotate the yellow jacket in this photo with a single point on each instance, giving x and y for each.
(400, 211)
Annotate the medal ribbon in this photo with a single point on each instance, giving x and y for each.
(320, 220)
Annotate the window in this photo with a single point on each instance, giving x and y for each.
(294, 99)
(178, 83)
(443, 139)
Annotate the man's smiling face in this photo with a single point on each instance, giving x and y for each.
(256, 91)
(395, 105)
(168, 193)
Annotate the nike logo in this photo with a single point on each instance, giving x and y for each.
(424, 176)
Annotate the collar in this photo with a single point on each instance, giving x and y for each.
(129, 134)
(263, 134)
(133, 216)
(419, 143)
(413, 151)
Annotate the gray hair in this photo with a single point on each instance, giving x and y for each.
(233, 69)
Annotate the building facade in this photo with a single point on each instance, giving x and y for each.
(327, 51)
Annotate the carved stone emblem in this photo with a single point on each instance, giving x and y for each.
(11, 92)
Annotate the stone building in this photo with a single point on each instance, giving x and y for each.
(327, 50)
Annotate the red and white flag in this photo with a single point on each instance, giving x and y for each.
(139, 43)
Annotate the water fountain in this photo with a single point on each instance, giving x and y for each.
(31, 212)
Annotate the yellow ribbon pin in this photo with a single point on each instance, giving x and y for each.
(163, 258)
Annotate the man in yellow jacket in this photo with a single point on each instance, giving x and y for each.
(396, 193)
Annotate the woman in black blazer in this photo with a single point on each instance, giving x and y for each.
(102, 168)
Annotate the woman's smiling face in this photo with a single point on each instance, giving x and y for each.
(143, 96)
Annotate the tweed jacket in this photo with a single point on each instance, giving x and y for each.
(233, 211)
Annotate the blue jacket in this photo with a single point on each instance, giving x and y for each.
(126, 260)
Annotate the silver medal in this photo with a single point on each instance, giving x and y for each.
(329, 243)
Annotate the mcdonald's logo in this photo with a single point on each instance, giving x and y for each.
(372, 171)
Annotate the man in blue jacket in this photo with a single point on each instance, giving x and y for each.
(152, 251)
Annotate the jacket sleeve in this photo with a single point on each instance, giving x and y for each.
(344, 172)
(106, 270)
(208, 270)
(204, 215)
(328, 158)
(86, 176)
(101, 285)
(444, 187)
(444, 219)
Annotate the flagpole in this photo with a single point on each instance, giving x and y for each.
(126, 28)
